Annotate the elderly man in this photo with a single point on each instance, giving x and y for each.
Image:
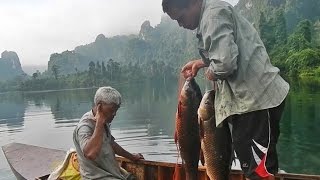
(94, 143)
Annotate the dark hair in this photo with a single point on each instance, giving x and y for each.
(169, 4)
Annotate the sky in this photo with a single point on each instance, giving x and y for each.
(35, 29)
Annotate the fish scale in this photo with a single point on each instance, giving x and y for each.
(216, 142)
(187, 129)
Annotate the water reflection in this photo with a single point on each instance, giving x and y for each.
(149, 104)
(64, 104)
(299, 140)
(12, 112)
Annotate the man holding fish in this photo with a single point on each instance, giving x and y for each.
(250, 94)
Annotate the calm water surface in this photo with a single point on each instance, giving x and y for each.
(145, 123)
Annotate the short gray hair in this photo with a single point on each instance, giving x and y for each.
(107, 95)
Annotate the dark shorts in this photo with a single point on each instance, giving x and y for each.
(255, 136)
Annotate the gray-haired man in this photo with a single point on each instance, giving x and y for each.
(94, 143)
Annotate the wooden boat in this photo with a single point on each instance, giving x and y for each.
(33, 162)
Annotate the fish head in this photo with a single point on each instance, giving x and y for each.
(186, 92)
(206, 108)
(191, 89)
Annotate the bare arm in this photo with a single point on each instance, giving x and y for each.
(93, 145)
(122, 152)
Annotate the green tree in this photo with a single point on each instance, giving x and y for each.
(98, 69)
(55, 71)
(35, 75)
(110, 69)
(266, 32)
(280, 28)
(103, 69)
(304, 28)
(316, 33)
(301, 38)
(92, 73)
(303, 60)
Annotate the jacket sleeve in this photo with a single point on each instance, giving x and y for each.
(219, 41)
(83, 134)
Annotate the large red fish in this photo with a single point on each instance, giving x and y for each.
(187, 129)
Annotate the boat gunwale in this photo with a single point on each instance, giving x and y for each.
(233, 171)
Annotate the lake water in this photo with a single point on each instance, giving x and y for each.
(145, 123)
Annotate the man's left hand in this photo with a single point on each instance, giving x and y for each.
(136, 157)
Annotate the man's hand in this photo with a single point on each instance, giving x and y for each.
(93, 146)
(209, 74)
(99, 116)
(191, 68)
(136, 157)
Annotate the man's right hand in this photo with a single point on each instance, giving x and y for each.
(191, 68)
(99, 116)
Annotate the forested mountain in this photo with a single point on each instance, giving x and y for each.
(276, 20)
(290, 30)
(165, 42)
(294, 10)
(10, 66)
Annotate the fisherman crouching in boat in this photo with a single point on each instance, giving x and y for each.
(250, 93)
(94, 143)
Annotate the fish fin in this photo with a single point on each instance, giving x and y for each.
(179, 109)
(201, 130)
(175, 137)
(178, 115)
(202, 157)
(179, 172)
(201, 133)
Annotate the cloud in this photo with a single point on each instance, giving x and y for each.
(37, 28)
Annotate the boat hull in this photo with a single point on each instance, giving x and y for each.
(33, 162)
(28, 162)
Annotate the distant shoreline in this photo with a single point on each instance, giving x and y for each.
(53, 90)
